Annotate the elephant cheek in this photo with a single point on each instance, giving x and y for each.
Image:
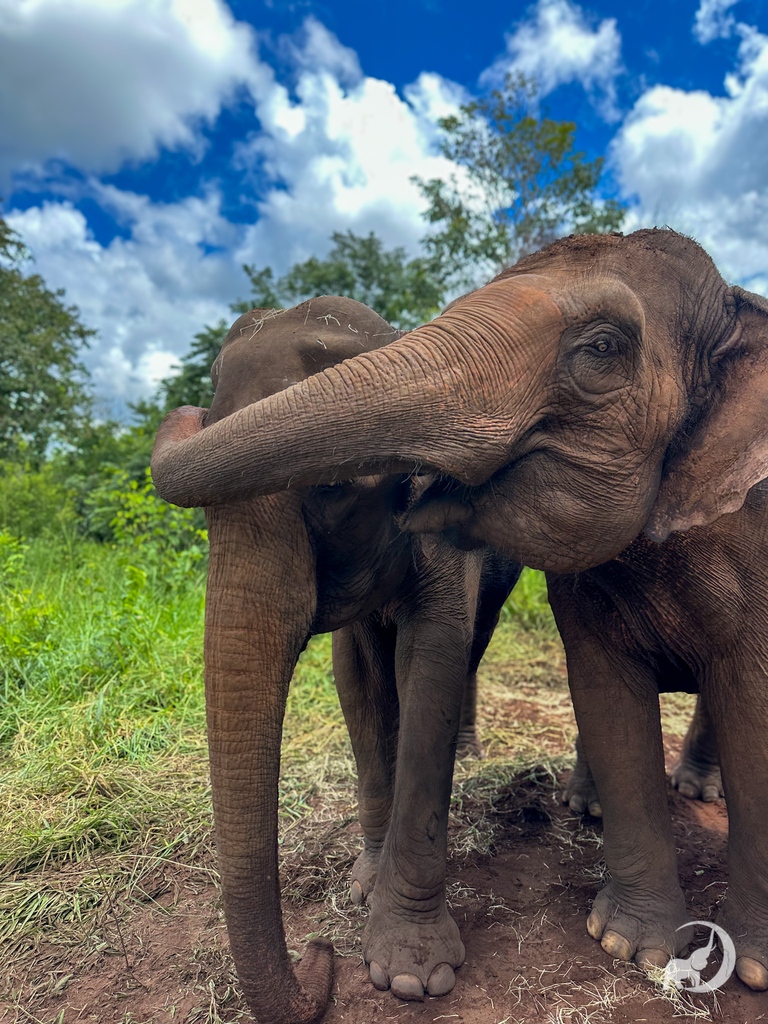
(554, 517)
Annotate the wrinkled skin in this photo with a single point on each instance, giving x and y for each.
(411, 618)
(696, 775)
(602, 389)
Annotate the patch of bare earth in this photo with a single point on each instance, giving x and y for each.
(522, 875)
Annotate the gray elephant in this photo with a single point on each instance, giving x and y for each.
(695, 775)
(411, 618)
(600, 388)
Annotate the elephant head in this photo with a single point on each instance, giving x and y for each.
(260, 608)
(600, 385)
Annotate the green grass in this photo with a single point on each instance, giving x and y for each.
(102, 717)
(103, 759)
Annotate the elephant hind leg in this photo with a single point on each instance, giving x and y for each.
(498, 576)
(468, 743)
(364, 669)
(697, 773)
(580, 791)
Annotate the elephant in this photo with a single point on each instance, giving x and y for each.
(411, 618)
(696, 774)
(597, 411)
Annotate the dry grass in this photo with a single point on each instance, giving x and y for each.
(105, 818)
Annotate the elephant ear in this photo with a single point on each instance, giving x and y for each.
(725, 453)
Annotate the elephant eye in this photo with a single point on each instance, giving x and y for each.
(603, 345)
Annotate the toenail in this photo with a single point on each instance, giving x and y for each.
(752, 973)
(595, 809)
(379, 977)
(647, 958)
(356, 893)
(441, 980)
(407, 986)
(594, 925)
(616, 945)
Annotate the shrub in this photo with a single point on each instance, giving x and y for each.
(33, 501)
(131, 513)
(24, 615)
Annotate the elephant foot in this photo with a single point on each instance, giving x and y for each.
(362, 878)
(580, 792)
(469, 745)
(412, 954)
(697, 778)
(642, 926)
(749, 933)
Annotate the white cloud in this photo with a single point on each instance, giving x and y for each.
(98, 83)
(146, 295)
(338, 153)
(699, 163)
(556, 45)
(714, 21)
(313, 47)
(343, 158)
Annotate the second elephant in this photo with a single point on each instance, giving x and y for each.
(411, 619)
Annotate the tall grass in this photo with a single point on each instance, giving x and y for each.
(102, 719)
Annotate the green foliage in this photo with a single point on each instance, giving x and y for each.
(405, 292)
(131, 513)
(524, 185)
(24, 613)
(43, 386)
(192, 384)
(528, 604)
(34, 501)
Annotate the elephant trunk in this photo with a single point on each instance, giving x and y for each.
(258, 613)
(446, 396)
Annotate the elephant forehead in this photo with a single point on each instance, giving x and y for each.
(324, 316)
(599, 297)
(526, 299)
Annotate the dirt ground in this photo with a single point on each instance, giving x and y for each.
(521, 903)
(522, 875)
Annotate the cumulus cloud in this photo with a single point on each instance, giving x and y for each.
(336, 152)
(558, 44)
(714, 21)
(698, 162)
(146, 295)
(343, 158)
(314, 47)
(98, 83)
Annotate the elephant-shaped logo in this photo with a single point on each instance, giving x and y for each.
(685, 974)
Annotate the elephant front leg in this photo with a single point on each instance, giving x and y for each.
(364, 669)
(697, 773)
(638, 914)
(411, 943)
(736, 697)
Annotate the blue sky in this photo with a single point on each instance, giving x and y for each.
(149, 148)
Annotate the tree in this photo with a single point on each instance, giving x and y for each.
(523, 185)
(192, 384)
(405, 292)
(44, 394)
